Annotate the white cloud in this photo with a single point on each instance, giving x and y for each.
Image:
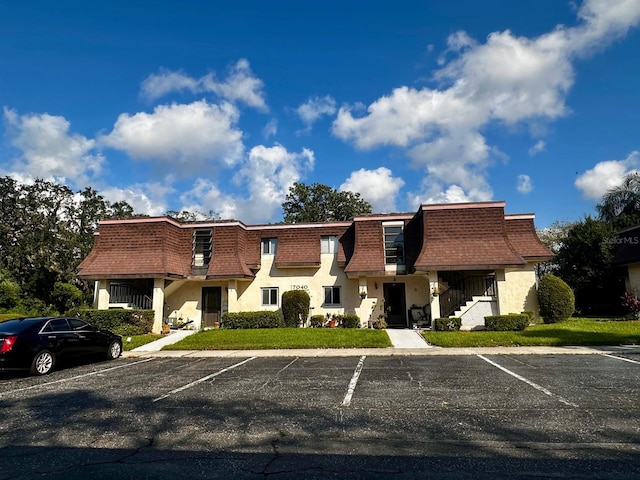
(270, 129)
(241, 85)
(378, 187)
(145, 198)
(507, 80)
(524, 184)
(537, 148)
(49, 150)
(316, 107)
(183, 138)
(267, 173)
(594, 183)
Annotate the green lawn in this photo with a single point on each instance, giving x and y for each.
(577, 331)
(133, 341)
(270, 338)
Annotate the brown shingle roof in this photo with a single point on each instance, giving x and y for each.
(468, 236)
(522, 235)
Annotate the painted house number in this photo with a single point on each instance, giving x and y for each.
(299, 287)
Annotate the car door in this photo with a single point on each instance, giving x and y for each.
(59, 338)
(91, 341)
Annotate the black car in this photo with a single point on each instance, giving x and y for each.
(36, 344)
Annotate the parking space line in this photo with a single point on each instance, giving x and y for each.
(62, 380)
(528, 382)
(352, 384)
(203, 379)
(621, 358)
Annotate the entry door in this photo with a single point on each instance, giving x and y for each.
(211, 305)
(394, 303)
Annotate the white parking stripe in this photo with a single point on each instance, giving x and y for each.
(62, 380)
(203, 379)
(352, 384)
(621, 358)
(528, 382)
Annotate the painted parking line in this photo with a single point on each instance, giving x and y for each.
(528, 382)
(203, 379)
(62, 380)
(621, 358)
(352, 384)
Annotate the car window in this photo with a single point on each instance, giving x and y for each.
(57, 325)
(77, 324)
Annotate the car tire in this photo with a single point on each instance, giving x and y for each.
(114, 350)
(42, 363)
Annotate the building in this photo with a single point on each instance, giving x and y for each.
(466, 260)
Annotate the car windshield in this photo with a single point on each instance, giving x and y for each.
(17, 325)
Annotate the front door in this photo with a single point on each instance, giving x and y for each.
(395, 305)
(211, 305)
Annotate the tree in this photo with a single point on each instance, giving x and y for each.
(620, 206)
(553, 237)
(321, 203)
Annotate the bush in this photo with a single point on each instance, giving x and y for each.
(447, 324)
(379, 324)
(122, 322)
(9, 295)
(556, 299)
(506, 323)
(317, 321)
(295, 307)
(66, 297)
(351, 321)
(260, 319)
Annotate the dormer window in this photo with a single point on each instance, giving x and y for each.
(269, 246)
(202, 244)
(394, 243)
(328, 244)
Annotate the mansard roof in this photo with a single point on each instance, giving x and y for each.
(469, 236)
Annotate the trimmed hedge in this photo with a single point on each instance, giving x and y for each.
(556, 299)
(295, 307)
(120, 321)
(447, 324)
(317, 321)
(351, 320)
(513, 322)
(260, 319)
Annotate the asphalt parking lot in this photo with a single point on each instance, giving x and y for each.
(440, 416)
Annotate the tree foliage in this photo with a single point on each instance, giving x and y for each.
(321, 203)
(620, 206)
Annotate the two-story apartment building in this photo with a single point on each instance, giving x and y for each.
(467, 260)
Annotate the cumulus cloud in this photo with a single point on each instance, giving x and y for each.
(316, 107)
(594, 183)
(181, 137)
(49, 150)
(378, 187)
(507, 80)
(270, 129)
(241, 85)
(145, 198)
(524, 184)
(267, 173)
(537, 148)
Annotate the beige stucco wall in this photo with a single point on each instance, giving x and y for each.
(517, 290)
(632, 282)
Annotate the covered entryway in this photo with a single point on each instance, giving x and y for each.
(211, 305)
(395, 305)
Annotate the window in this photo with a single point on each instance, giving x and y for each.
(332, 295)
(202, 240)
(393, 245)
(269, 246)
(328, 244)
(270, 296)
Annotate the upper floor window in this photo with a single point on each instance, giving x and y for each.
(269, 246)
(202, 242)
(394, 244)
(328, 244)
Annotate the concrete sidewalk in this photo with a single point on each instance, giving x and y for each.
(173, 337)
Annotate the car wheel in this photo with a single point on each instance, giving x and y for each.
(42, 363)
(114, 350)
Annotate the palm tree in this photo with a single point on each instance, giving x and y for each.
(622, 203)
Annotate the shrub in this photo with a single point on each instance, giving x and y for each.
(447, 324)
(120, 321)
(351, 321)
(66, 297)
(9, 295)
(317, 321)
(379, 324)
(506, 323)
(556, 299)
(632, 304)
(260, 319)
(295, 307)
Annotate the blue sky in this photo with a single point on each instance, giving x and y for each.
(221, 106)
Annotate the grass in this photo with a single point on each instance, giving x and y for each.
(272, 338)
(133, 341)
(575, 331)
